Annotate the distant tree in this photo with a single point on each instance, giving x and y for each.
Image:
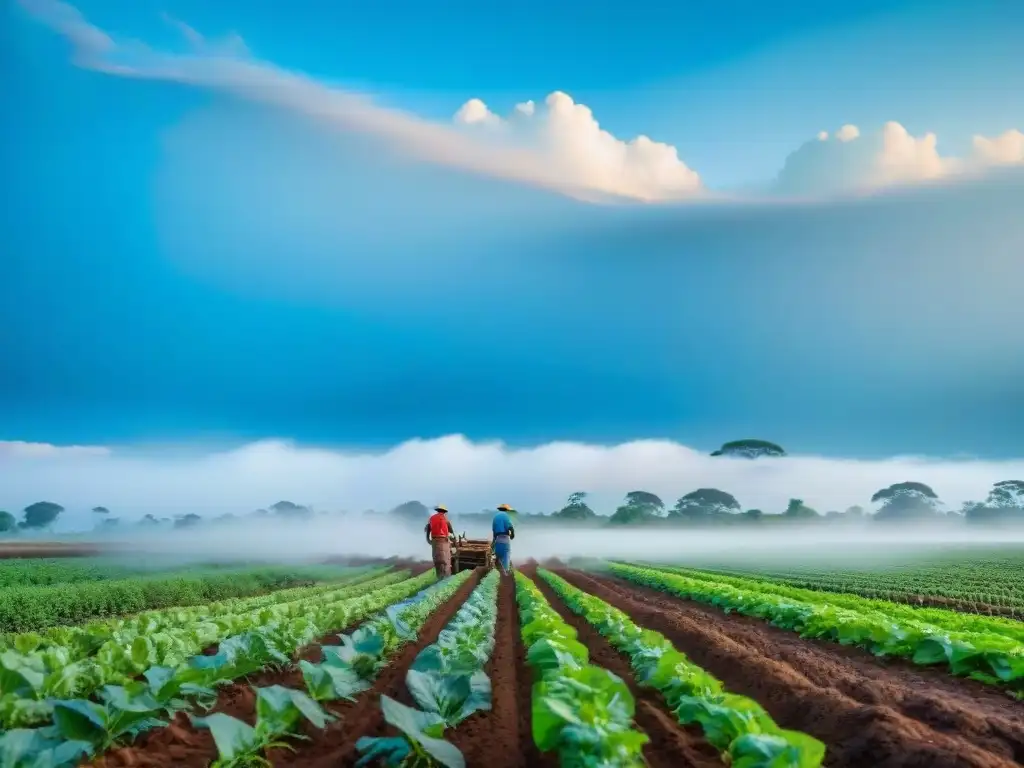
(259, 513)
(906, 501)
(639, 506)
(855, 511)
(187, 521)
(1005, 504)
(227, 517)
(8, 522)
(750, 449)
(1007, 494)
(649, 501)
(110, 522)
(41, 514)
(411, 512)
(291, 510)
(705, 502)
(101, 510)
(800, 511)
(754, 514)
(149, 520)
(576, 508)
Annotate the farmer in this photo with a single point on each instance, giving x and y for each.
(504, 532)
(439, 532)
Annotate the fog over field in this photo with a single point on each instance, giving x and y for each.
(464, 475)
(359, 535)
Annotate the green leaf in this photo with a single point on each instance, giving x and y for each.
(392, 751)
(279, 709)
(415, 725)
(788, 750)
(232, 737)
(80, 720)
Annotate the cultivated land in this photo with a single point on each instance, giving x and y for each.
(622, 664)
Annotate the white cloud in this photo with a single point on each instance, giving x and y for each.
(570, 137)
(558, 145)
(574, 156)
(16, 449)
(848, 133)
(1005, 149)
(465, 475)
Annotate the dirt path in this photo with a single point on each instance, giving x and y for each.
(181, 745)
(868, 713)
(494, 738)
(672, 745)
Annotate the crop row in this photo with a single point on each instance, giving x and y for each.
(345, 671)
(580, 711)
(448, 683)
(26, 608)
(32, 678)
(84, 726)
(737, 726)
(954, 621)
(886, 629)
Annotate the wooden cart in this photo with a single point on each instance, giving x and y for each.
(468, 554)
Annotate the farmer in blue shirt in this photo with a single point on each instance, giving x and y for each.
(504, 532)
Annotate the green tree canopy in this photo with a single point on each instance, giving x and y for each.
(187, 521)
(576, 508)
(41, 514)
(639, 506)
(1007, 493)
(796, 509)
(705, 502)
(101, 510)
(8, 522)
(750, 449)
(646, 499)
(906, 501)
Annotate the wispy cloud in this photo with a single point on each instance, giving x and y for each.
(15, 450)
(558, 145)
(466, 475)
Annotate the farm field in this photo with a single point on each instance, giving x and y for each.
(620, 665)
(989, 581)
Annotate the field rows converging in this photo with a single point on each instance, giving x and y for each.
(985, 648)
(621, 666)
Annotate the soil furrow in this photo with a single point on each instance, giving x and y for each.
(672, 745)
(867, 713)
(336, 745)
(493, 738)
(181, 745)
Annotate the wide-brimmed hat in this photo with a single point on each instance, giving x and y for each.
(504, 508)
(441, 508)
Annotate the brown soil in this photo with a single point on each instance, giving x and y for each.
(10, 550)
(181, 745)
(867, 712)
(497, 739)
(336, 745)
(672, 745)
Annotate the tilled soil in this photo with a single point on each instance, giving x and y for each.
(867, 711)
(672, 745)
(181, 745)
(336, 745)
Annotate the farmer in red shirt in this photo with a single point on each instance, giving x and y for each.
(439, 532)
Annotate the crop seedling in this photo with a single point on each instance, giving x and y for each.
(279, 710)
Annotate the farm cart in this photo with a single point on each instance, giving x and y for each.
(468, 554)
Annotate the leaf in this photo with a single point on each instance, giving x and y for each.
(80, 720)
(278, 709)
(233, 737)
(415, 725)
(391, 750)
(792, 750)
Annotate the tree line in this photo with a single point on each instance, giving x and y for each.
(908, 501)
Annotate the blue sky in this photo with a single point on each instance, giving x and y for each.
(185, 259)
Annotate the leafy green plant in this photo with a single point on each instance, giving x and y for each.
(581, 711)
(420, 746)
(985, 656)
(448, 682)
(279, 711)
(737, 726)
